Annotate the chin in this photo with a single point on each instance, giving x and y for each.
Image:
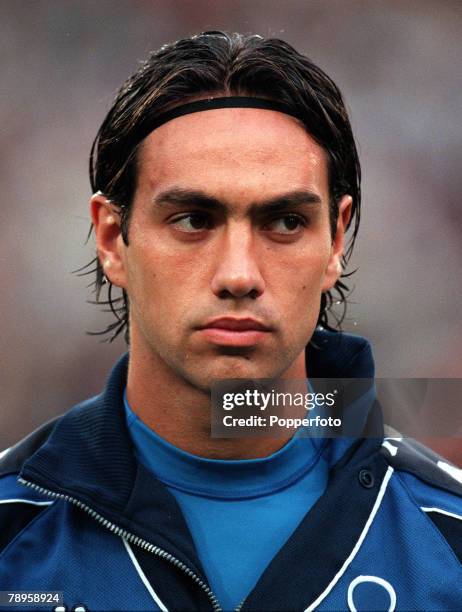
(232, 367)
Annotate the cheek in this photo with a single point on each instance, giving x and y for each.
(302, 275)
(306, 297)
(297, 289)
(162, 281)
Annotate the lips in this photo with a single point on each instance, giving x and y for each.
(237, 325)
(235, 332)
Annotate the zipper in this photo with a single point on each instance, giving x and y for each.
(132, 539)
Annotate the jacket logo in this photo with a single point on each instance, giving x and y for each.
(391, 594)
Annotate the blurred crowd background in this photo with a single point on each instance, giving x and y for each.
(398, 64)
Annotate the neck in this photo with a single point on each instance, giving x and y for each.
(180, 413)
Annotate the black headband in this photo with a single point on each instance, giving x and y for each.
(151, 123)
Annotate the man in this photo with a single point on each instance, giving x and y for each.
(225, 177)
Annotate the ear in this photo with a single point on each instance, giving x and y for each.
(109, 242)
(334, 266)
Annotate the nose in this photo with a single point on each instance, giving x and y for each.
(237, 274)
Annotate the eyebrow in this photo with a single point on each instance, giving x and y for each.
(181, 197)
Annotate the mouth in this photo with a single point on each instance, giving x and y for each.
(231, 331)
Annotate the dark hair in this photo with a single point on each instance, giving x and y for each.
(213, 64)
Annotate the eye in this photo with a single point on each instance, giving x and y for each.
(192, 222)
(287, 224)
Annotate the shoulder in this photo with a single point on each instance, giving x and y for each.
(424, 467)
(11, 459)
(19, 506)
(432, 483)
(63, 448)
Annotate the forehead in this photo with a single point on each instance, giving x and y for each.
(240, 150)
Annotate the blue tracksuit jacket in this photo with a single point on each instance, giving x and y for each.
(80, 515)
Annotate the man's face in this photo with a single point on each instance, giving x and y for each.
(229, 245)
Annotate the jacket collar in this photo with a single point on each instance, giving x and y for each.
(89, 456)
